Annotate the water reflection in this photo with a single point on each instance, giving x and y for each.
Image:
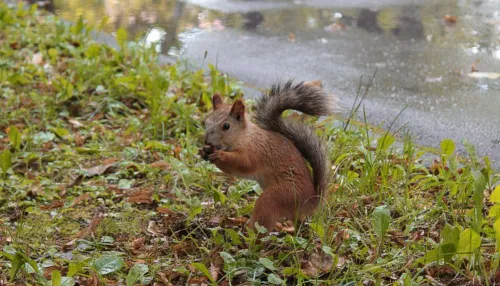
(477, 29)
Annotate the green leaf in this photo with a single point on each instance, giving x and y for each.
(108, 264)
(469, 242)
(496, 227)
(5, 160)
(219, 196)
(385, 142)
(495, 196)
(56, 278)
(381, 219)
(328, 250)
(450, 234)
(494, 211)
(136, 273)
(67, 281)
(318, 228)
(203, 269)
(75, 267)
(229, 261)
(447, 147)
(235, 238)
(267, 263)
(274, 279)
(15, 137)
(121, 37)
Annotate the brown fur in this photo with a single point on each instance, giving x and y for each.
(249, 151)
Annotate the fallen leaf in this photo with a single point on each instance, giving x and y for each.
(80, 199)
(163, 210)
(161, 165)
(98, 216)
(153, 228)
(177, 151)
(164, 280)
(100, 170)
(309, 269)
(79, 140)
(214, 221)
(53, 205)
(321, 260)
(450, 20)
(142, 195)
(473, 66)
(138, 243)
(239, 221)
(75, 123)
(197, 280)
(214, 271)
(37, 59)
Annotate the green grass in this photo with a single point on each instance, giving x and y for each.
(101, 182)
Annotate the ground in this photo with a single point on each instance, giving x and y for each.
(101, 182)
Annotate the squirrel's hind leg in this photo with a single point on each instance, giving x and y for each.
(274, 205)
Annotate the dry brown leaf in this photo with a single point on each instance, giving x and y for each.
(197, 280)
(214, 221)
(80, 199)
(142, 195)
(451, 20)
(309, 269)
(100, 170)
(37, 59)
(161, 165)
(138, 243)
(177, 151)
(79, 139)
(164, 210)
(239, 221)
(473, 67)
(153, 228)
(214, 271)
(321, 260)
(98, 216)
(53, 205)
(164, 280)
(75, 123)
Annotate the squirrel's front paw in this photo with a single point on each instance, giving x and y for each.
(205, 152)
(215, 156)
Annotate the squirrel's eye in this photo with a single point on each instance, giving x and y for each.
(226, 126)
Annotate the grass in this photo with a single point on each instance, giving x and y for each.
(101, 183)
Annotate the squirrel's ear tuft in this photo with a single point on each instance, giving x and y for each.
(238, 110)
(217, 101)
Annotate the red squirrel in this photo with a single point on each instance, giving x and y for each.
(273, 150)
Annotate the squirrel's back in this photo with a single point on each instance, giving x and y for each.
(309, 99)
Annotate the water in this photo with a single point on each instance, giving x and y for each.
(423, 56)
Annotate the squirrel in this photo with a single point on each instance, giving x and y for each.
(273, 150)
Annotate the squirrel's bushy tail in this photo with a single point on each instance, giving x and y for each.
(306, 98)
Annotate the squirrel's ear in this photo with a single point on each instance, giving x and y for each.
(217, 101)
(238, 110)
